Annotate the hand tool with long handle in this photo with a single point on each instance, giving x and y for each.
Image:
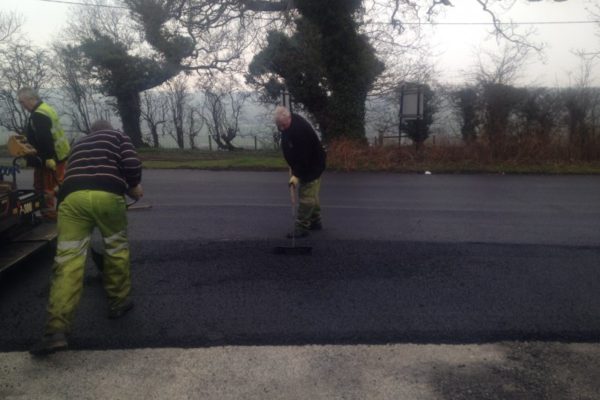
(294, 250)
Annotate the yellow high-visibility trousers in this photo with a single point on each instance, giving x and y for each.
(78, 215)
(309, 206)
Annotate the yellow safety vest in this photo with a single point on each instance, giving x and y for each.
(61, 144)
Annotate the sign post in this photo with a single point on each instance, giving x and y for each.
(411, 105)
(286, 99)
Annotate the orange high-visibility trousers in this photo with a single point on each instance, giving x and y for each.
(48, 181)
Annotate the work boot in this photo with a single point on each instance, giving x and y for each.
(298, 233)
(50, 343)
(315, 226)
(121, 310)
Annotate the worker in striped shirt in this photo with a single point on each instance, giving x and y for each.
(103, 167)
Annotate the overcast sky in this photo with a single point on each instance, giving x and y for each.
(455, 44)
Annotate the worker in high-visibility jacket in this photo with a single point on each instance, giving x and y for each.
(102, 168)
(45, 133)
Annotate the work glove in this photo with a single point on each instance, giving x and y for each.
(51, 164)
(136, 192)
(294, 181)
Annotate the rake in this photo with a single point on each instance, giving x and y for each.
(293, 250)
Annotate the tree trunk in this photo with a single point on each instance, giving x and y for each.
(180, 136)
(154, 134)
(129, 106)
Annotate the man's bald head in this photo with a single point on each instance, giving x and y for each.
(101, 125)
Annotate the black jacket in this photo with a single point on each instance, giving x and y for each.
(39, 135)
(302, 150)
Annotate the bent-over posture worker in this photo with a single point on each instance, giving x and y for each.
(102, 168)
(45, 134)
(305, 156)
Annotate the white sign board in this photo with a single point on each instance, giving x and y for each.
(412, 104)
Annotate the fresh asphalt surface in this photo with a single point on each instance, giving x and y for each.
(402, 258)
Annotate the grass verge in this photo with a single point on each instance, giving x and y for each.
(214, 160)
(349, 158)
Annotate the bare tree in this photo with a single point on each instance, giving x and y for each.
(218, 31)
(20, 65)
(404, 49)
(176, 100)
(496, 97)
(154, 113)
(122, 63)
(113, 22)
(503, 67)
(183, 120)
(593, 53)
(83, 100)
(10, 23)
(221, 113)
(502, 30)
(195, 124)
(214, 114)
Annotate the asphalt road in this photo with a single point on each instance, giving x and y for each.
(403, 258)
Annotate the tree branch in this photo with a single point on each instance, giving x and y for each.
(267, 6)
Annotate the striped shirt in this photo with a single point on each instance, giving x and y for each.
(104, 160)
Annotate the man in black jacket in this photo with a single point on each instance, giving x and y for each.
(45, 133)
(305, 156)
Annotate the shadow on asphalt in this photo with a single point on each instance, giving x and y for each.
(193, 294)
(522, 371)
